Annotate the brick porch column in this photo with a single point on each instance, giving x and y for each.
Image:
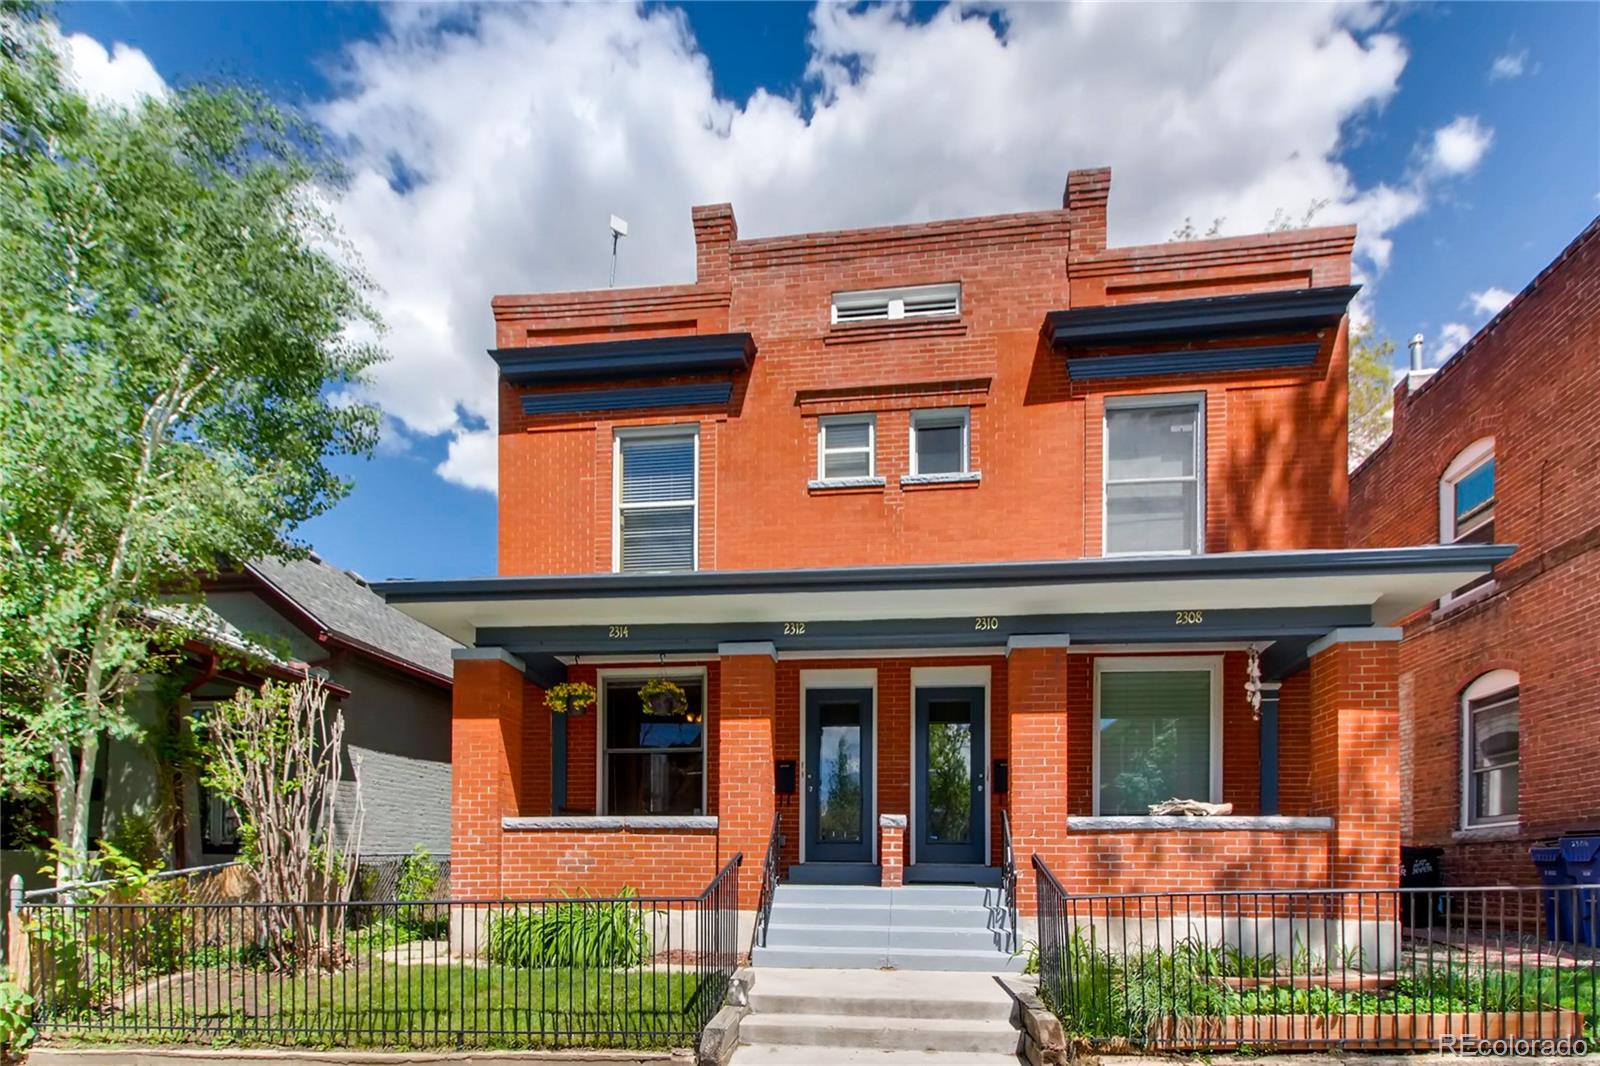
(1355, 753)
(1036, 698)
(486, 771)
(746, 707)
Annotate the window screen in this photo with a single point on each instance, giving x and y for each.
(1153, 464)
(1155, 738)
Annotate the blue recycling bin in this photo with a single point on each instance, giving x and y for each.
(1580, 854)
(1557, 905)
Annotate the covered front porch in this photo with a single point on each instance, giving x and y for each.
(895, 722)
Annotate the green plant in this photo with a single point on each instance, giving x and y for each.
(661, 696)
(569, 697)
(419, 883)
(572, 933)
(16, 1018)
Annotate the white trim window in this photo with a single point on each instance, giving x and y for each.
(1490, 742)
(651, 763)
(1154, 475)
(890, 305)
(656, 488)
(1158, 731)
(846, 448)
(941, 443)
(1466, 496)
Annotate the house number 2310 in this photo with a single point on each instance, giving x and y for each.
(986, 622)
(1191, 618)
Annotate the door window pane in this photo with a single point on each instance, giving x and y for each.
(1153, 465)
(655, 764)
(1155, 738)
(950, 761)
(840, 816)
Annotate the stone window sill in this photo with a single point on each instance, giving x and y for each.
(1217, 823)
(845, 484)
(972, 477)
(1502, 831)
(1453, 604)
(605, 822)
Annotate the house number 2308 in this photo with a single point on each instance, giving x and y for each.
(1190, 618)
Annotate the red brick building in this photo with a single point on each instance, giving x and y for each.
(936, 526)
(1499, 682)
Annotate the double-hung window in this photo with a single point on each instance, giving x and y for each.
(1158, 732)
(1154, 476)
(845, 447)
(1490, 782)
(941, 443)
(1466, 504)
(654, 763)
(657, 499)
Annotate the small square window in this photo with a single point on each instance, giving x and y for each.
(940, 442)
(845, 448)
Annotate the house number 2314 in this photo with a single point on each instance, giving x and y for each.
(1190, 618)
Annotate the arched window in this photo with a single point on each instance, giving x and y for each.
(1489, 749)
(1466, 496)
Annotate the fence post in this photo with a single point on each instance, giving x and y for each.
(16, 936)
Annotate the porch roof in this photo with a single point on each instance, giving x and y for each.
(1237, 596)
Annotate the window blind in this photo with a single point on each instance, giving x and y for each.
(657, 503)
(1155, 738)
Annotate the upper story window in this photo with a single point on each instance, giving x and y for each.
(657, 494)
(846, 448)
(1158, 732)
(1154, 475)
(915, 301)
(1490, 749)
(941, 443)
(1466, 496)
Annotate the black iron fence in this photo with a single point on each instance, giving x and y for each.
(621, 972)
(1497, 970)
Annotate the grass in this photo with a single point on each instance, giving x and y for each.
(408, 1006)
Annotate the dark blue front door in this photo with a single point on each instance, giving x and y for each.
(838, 775)
(952, 808)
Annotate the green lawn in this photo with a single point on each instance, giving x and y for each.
(389, 1005)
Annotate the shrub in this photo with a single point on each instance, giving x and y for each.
(571, 933)
(419, 883)
(16, 1017)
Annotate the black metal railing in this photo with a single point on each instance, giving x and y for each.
(626, 971)
(769, 882)
(1008, 881)
(1451, 969)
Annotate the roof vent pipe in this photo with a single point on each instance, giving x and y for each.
(1416, 351)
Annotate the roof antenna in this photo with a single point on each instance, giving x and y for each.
(619, 230)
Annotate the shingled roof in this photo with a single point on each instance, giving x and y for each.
(342, 603)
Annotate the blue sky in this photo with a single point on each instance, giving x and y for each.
(490, 145)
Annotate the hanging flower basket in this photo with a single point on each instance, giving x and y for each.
(569, 697)
(663, 697)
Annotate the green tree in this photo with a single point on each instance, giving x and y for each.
(181, 329)
(1371, 391)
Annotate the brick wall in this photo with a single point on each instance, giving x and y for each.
(1190, 860)
(1531, 381)
(1274, 440)
(659, 862)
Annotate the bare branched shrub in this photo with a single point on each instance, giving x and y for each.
(277, 756)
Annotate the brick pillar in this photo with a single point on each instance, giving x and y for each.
(746, 711)
(892, 850)
(1036, 697)
(1085, 201)
(486, 772)
(1355, 753)
(715, 230)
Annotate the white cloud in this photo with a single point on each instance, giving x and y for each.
(121, 77)
(1452, 335)
(490, 146)
(1509, 65)
(1458, 148)
(1490, 300)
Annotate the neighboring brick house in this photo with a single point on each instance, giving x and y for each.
(1500, 682)
(937, 525)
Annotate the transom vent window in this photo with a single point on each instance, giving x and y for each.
(845, 448)
(1155, 737)
(655, 763)
(917, 301)
(657, 497)
(1490, 706)
(1154, 477)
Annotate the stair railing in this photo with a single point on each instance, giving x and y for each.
(769, 881)
(1008, 878)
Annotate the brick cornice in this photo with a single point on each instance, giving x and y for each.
(597, 302)
(993, 230)
(1254, 250)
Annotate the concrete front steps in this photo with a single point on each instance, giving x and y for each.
(915, 927)
(888, 1017)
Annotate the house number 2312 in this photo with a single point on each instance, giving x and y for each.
(1190, 618)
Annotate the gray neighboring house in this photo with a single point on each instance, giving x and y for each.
(283, 620)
